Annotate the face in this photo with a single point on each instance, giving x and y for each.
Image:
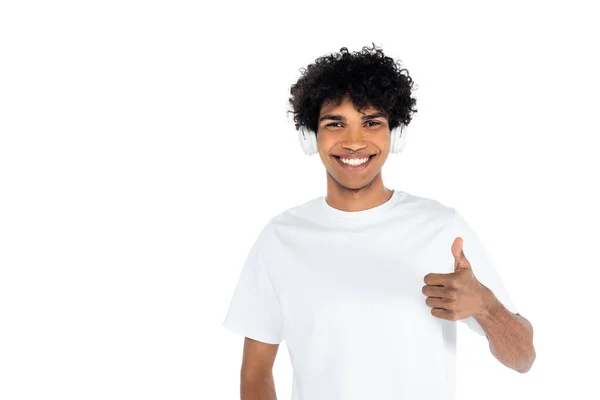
(341, 129)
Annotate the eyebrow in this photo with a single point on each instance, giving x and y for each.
(342, 118)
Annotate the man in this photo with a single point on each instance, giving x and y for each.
(367, 283)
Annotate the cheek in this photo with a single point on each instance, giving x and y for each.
(325, 142)
(325, 146)
(385, 142)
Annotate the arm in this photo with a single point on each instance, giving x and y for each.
(256, 376)
(510, 335)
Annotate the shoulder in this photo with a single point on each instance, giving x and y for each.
(304, 213)
(294, 216)
(428, 207)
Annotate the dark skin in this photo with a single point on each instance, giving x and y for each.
(452, 296)
(342, 129)
(460, 295)
(256, 376)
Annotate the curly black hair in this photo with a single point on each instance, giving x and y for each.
(368, 77)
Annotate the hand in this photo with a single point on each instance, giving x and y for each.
(457, 295)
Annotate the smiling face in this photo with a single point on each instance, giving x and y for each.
(341, 129)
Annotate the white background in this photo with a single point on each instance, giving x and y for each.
(144, 144)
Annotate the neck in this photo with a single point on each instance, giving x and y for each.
(360, 198)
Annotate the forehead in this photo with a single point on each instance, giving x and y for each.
(345, 105)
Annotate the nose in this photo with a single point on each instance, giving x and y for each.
(353, 139)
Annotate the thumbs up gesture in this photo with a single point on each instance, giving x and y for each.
(457, 295)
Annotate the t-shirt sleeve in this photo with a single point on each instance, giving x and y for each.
(254, 310)
(483, 267)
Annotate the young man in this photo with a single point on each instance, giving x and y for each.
(366, 284)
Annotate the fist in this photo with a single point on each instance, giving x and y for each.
(457, 295)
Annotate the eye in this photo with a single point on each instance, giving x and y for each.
(369, 122)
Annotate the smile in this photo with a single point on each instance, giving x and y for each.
(354, 164)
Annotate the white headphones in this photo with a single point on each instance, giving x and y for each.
(308, 140)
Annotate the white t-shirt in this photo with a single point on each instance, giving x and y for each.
(343, 289)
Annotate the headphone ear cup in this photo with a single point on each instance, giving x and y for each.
(397, 139)
(308, 140)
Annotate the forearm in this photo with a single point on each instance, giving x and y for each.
(258, 388)
(510, 335)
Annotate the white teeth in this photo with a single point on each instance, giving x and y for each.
(355, 162)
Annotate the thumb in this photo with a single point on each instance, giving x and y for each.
(460, 260)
